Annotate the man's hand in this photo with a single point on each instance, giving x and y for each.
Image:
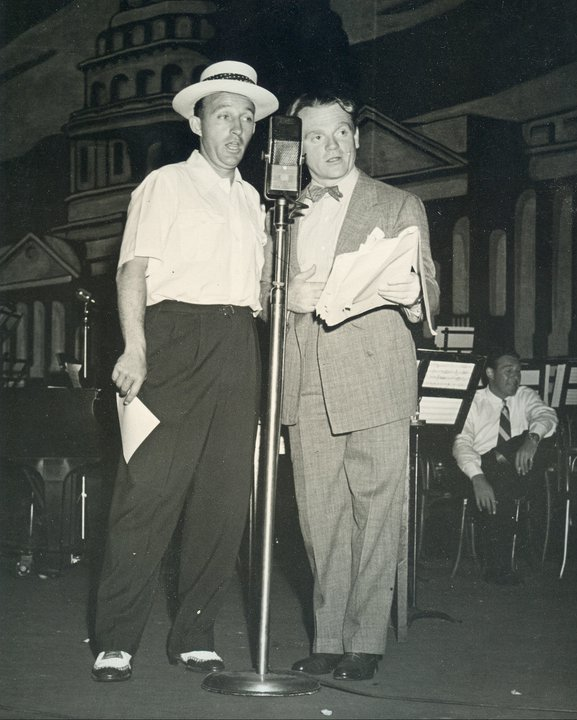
(484, 495)
(402, 291)
(524, 456)
(303, 296)
(129, 373)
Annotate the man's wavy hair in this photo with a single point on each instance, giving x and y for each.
(324, 98)
(498, 351)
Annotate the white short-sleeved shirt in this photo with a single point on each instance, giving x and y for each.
(204, 236)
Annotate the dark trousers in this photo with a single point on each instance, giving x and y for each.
(203, 384)
(497, 531)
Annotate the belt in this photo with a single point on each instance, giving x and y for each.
(174, 306)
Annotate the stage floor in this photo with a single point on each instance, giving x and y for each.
(512, 653)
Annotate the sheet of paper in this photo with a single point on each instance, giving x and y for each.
(136, 424)
(439, 410)
(352, 287)
(73, 372)
(448, 375)
(558, 386)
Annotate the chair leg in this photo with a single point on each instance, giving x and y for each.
(473, 540)
(547, 518)
(514, 543)
(461, 539)
(566, 535)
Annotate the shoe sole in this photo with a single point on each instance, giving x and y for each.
(105, 678)
(192, 668)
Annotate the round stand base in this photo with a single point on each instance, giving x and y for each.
(251, 683)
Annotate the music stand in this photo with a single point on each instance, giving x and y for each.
(447, 385)
(539, 375)
(564, 396)
(450, 337)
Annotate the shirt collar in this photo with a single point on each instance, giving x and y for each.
(207, 174)
(495, 399)
(347, 184)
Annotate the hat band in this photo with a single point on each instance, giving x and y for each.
(230, 76)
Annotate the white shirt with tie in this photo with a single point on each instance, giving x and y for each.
(481, 429)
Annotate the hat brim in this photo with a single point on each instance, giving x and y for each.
(265, 103)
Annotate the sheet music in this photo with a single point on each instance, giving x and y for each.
(530, 377)
(558, 386)
(448, 375)
(439, 410)
(547, 383)
(73, 371)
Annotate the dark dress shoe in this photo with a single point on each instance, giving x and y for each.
(318, 663)
(197, 665)
(357, 666)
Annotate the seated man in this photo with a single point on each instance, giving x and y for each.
(499, 450)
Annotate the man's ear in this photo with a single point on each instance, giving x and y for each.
(490, 373)
(356, 137)
(195, 125)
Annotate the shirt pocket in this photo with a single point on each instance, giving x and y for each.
(200, 234)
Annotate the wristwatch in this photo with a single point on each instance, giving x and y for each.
(535, 437)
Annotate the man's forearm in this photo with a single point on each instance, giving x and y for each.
(131, 287)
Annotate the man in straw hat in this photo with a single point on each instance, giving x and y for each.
(188, 380)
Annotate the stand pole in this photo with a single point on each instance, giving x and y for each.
(414, 612)
(264, 683)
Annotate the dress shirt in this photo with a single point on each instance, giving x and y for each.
(320, 226)
(481, 429)
(204, 236)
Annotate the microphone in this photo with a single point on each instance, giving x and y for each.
(284, 158)
(85, 296)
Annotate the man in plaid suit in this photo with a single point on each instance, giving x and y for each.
(349, 392)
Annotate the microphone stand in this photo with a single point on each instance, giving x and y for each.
(263, 682)
(85, 334)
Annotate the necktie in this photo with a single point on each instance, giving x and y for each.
(316, 192)
(504, 425)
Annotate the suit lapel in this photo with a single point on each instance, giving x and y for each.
(355, 226)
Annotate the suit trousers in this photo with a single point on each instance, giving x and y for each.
(203, 384)
(350, 489)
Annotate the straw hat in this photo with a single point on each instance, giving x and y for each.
(226, 76)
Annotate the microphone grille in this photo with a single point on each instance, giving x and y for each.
(285, 152)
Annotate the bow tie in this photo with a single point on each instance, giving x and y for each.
(316, 192)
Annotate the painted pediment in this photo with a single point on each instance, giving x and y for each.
(35, 262)
(389, 150)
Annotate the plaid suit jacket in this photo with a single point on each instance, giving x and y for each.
(368, 363)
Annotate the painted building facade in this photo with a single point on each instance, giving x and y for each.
(499, 187)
